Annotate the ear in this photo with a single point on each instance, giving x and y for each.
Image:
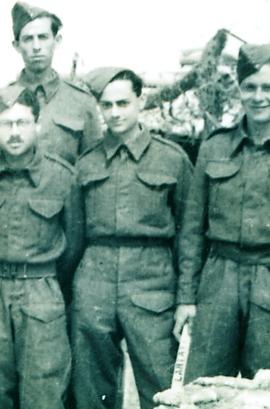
(15, 44)
(142, 101)
(58, 39)
(38, 128)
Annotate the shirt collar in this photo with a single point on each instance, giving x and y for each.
(243, 137)
(33, 169)
(136, 146)
(49, 85)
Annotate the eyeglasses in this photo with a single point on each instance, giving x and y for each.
(20, 123)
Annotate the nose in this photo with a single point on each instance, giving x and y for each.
(14, 128)
(115, 111)
(36, 44)
(258, 94)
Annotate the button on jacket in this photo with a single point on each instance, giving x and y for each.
(69, 120)
(39, 212)
(229, 200)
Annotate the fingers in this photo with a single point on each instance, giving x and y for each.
(177, 329)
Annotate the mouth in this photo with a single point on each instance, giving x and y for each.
(38, 58)
(117, 123)
(260, 107)
(15, 144)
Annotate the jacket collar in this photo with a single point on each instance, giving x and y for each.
(243, 137)
(136, 146)
(48, 86)
(33, 169)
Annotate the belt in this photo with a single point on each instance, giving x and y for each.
(244, 255)
(129, 242)
(26, 270)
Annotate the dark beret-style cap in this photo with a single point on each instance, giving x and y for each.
(251, 58)
(99, 78)
(22, 13)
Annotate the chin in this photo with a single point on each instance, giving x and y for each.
(38, 68)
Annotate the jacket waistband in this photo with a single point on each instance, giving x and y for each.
(26, 270)
(244, 255)
(129, 242)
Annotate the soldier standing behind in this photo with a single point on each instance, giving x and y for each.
(68, 119)
(41, 223)
(135, 187)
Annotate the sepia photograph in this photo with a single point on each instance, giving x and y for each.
(135, 204)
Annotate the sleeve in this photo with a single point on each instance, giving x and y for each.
(92, 126)
(192, 239)
(73, 226)
(179, 202)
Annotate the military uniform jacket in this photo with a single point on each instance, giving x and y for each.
(228, 203)
(68, 119)
(40, 214)
(136, 189)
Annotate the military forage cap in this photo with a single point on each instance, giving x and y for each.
(23, 13)
(9, 96)
(99, 78)
(251, 58)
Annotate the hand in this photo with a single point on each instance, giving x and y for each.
(184, 313)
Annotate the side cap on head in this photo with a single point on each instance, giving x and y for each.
(251, 58)
(16, 93)
(9, 95)
(22, 13)
(99, 78)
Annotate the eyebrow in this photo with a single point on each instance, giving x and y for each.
(105, 101)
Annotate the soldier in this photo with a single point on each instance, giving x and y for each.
(68, 118)
(229, 295)
(41, 223)
(135, 186)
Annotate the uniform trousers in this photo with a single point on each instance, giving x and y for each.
(122, 291)
(35, 357)
(231, 331)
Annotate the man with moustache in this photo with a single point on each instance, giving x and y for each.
(227, 298)
(68, 119)
(41, 224)
(134, 186)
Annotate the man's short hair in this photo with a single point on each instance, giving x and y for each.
(136, 81)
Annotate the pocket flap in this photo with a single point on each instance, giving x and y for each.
(155, 301)
(46, 208)
(217, 170)
(74, 124)
(84, 180)
(43, 312)
(155, 179)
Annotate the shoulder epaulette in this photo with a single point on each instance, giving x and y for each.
(12, 83)
(93, 145)
(78, 84)
(221, 130)
(57, 158)
(169, 143)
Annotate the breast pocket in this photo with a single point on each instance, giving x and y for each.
(97, 194)
(152, 192)
(45, 220)
(224, 184)
(67, 134)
